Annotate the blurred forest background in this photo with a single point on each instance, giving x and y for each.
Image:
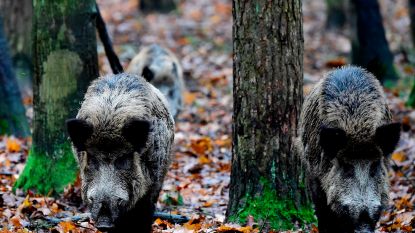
(199, 32)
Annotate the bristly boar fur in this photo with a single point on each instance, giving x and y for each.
(160, 67)
(347, 136)
(122, 137)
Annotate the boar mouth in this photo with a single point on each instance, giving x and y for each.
(104, 224)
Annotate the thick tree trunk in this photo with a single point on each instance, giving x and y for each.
(411, 5)
(12, 113)
(370, 48)
(336, 13)
(17, 15)
(65, 61)
(267, 179)
(157, 5)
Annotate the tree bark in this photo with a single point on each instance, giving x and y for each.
(13, 119)
(163, 6)
(370, 48)
(17, 16)
(267, 179)
(65, 62)
(411, 5)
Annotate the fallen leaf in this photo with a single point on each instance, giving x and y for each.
(399, 156)
(12, 145)
(67, 226)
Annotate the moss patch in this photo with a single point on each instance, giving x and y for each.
(48, 174)
(280, 214)
(4, 127)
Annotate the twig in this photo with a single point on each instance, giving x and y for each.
(76, 218)
(6, 173)
(106, 41)
(174, 218)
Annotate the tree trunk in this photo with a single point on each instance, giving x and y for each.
(65, 62)
(267, 179)
(12, 112)
(17, 15)
(370, 48)
(163, 6)
(336, 13)
(411, 5)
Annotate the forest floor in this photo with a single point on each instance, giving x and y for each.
(199, 32)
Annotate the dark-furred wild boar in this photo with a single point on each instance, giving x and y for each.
(347, 136)
(122, 137)
(160, 67)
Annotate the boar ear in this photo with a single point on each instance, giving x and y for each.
(147, 74)
(332, 140)
(136, 132)
(79, 131)
(387, 137)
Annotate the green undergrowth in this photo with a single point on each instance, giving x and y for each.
(46, 174)
(279, 213)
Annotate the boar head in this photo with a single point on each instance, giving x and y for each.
(356, 181)
(112, 170)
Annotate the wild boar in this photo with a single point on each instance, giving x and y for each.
(161, 68)
(122, 136)
(347, 136)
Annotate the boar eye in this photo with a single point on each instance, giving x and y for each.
(92, 162)
(347, 169)
(123, 162)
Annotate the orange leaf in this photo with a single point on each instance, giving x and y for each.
(224, 142)
(337, 62)
(12, 145)
(54, 208)
(202, 146)
(229, 229)
(189, 98)
(208, 204)
(399, 156)
(204, 160)
(67, 226)
(15, 220)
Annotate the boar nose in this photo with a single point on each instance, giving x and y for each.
(104, 220)
(366, 223)
(104, 226)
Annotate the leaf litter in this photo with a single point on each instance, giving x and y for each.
(197, 185)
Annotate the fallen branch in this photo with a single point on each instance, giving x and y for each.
(173, 218)
(6, 173)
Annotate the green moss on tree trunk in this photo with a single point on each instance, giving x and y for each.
(65, 62)
(279, 213)
(49, 174)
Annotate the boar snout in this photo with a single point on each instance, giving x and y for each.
(104, 224)
(106, 210)
(103, 216)
(364, 229)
